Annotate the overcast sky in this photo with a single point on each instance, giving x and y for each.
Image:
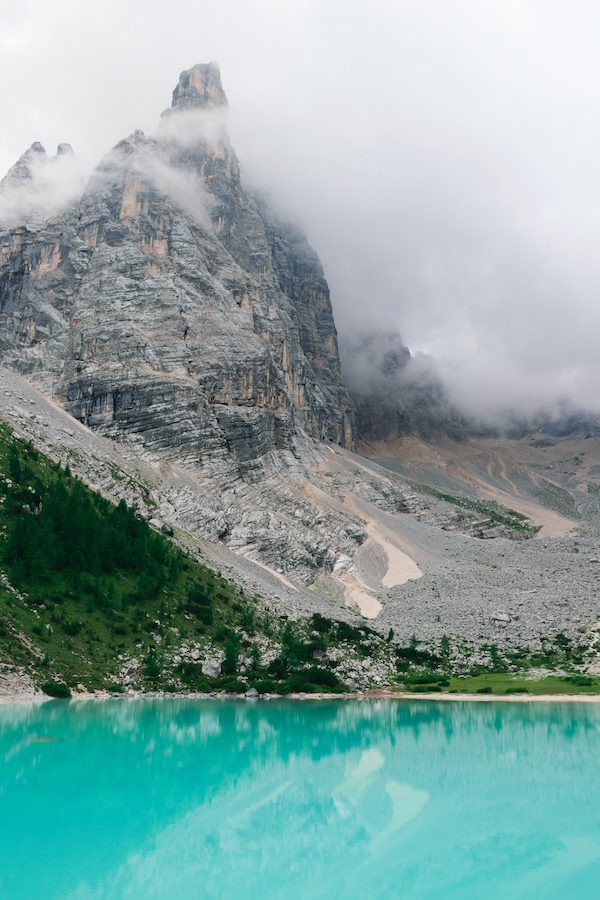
(444, 157)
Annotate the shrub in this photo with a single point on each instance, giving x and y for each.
(248, 620)
(254, 658)
(319, 676)
(406, 656)
(56, 689)
(202, 611)
(231, 650)
(427, 678)
(430, 688)
(349, 633)
(320, 623)
(266, 686)
(278, 667)
(580, 680)
(233, 685)
(189, 670)
(293, 648)
(311, 680)
(317, 644)
(221, 634)
(152, 666)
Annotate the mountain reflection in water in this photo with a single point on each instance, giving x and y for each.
(374, 799)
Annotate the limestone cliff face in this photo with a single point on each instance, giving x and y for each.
(170, 308)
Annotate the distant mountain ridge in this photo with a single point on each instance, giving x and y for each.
(395, 395)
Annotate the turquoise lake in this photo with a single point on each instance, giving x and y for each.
(378, 799)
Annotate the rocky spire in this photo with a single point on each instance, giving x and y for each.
(199, 88)
(22, 169)
(29, 163)
(64, 150)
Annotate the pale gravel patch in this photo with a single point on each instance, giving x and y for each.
(357, 594)
(401, 568)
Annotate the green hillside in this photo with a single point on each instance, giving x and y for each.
(92, 597)
(88, 586)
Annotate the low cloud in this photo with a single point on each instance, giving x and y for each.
(441, 157)
(186, 127)
(39, 187)
(145, 159)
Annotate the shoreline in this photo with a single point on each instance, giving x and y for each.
(357, 696)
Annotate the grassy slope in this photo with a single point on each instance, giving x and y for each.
(505, 683)
(74, 616)
(494, 512)
(495, 683)
(558, 667)
(88, 585)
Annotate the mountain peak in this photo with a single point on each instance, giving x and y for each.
(64, 149)
(23, 168)
(199, 87)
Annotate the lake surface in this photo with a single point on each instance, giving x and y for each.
(186, 799)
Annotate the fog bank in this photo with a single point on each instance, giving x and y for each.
(442, 157)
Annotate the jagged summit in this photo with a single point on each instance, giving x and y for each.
(22, 169)
(199, 88)
(64, 149)
(169, 308)
(34, 156)
(39, 186)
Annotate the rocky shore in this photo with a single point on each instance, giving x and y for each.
(381, 694)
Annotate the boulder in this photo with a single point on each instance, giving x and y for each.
(211, 668)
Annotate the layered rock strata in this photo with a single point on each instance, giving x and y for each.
(169, 308)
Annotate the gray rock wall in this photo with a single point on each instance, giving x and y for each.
(168, 307)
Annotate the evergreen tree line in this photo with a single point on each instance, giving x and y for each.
(61, 526)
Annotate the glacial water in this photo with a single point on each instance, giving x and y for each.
(183, 799)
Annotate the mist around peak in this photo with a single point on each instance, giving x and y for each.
(39, 186)
(444, 167)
